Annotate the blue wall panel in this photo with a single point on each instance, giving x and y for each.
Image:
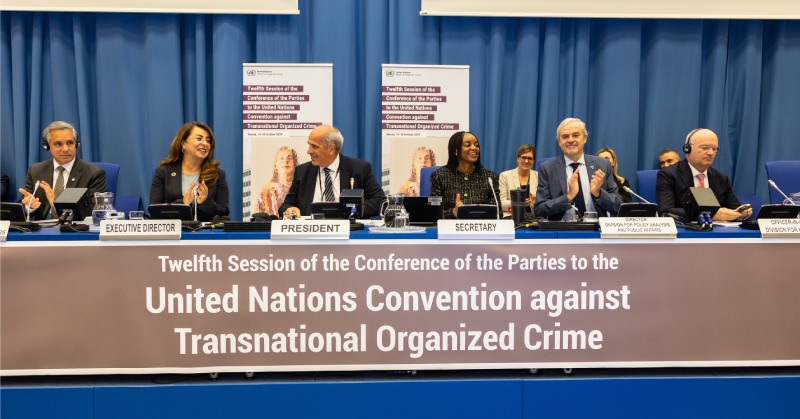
(46, 402)
(668, 397)
(383, 399)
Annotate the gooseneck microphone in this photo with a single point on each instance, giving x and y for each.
(788, 200)
(28, 206)
(630, 191)
(496, 204)
(194, 201)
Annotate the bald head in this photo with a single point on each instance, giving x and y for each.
(705, 145)
(324, 144)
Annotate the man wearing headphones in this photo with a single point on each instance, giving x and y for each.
(701, 147)
(63, 171)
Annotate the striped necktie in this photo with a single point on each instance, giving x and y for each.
(328, 196)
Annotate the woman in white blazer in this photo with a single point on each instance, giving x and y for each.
(520, 178)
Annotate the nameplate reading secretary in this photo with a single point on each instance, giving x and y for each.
(476, 229)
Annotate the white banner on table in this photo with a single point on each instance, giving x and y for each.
(638, 227)
(779, 228)
(281, 104)
(421, 107)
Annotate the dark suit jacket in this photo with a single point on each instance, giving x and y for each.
(551, 194)
(83, 175)
(672, 183)
(301, 193)
(166, 189)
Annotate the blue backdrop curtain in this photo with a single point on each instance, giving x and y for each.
(128, 81)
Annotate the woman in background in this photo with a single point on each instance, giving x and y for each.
(423, 157)
(464, 180)
(611, 156)
(520, 178)
(190, 169)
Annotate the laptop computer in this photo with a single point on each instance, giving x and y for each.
(15, 212)
(638, 209)
(771, 211)
(181, 212)
(423, 210)
(477, 212)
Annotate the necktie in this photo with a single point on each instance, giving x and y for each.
(59, 181)
(579, 203)
(701, 180)
(327, 195)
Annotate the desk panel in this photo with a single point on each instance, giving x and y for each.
(53, 234)
(229, 305)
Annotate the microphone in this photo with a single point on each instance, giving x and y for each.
(788, 200)
(496, 204)
(630, 191)
(194, 201)
(352, 182)
(28, 207)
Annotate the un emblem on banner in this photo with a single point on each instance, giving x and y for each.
(389, 73)
(251, 72)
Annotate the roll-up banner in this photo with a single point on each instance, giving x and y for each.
(421, 107)
(281, 104)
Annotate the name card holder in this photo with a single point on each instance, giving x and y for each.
(476, 229)
(5, 225)
(310, 229)
(779, 228)
(638, 228)
(140, 230)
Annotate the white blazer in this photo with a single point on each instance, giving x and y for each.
(509, 180)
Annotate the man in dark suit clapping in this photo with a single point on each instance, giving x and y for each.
(63, 171)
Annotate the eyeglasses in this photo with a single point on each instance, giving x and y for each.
(523, 158)
(708, 148)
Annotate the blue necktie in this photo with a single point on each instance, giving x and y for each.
(579, 203)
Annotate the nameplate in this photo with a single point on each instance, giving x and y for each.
(779, 227)
(140, 230)
(476, 229)
(5, 225)
(310, 229)
(638, 227)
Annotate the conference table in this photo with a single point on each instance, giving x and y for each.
(710, 314)
(53, 234)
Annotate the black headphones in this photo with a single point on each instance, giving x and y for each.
(687, 148)
(46, 146)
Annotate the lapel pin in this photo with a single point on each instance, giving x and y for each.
(591, 167)
(173, 174)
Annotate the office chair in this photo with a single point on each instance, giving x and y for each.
(425, 180)
(647, 184)
(785, 174)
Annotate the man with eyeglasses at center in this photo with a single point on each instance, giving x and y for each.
(701, 147)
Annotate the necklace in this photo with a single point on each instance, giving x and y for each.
(466, 173)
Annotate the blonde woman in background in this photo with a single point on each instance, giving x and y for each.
(621, 182)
